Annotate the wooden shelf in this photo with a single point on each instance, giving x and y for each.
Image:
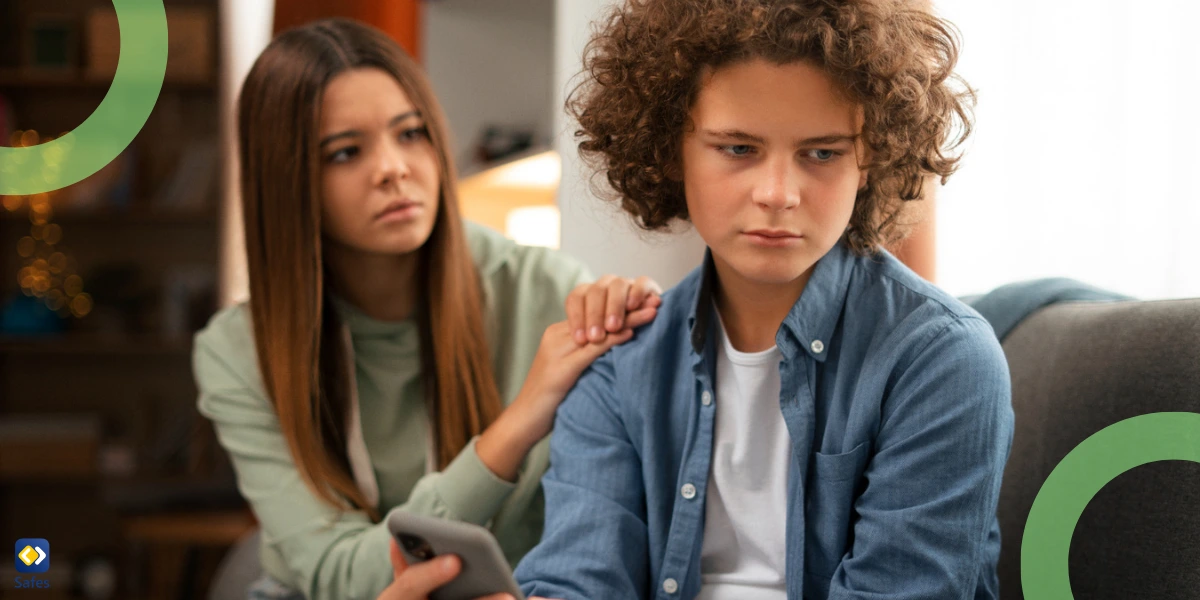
(26, 80)
(131, 218)
(200, 528)
(95, 344)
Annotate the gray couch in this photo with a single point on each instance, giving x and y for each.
(1076, 369)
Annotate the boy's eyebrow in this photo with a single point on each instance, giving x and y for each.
(834, 138)
(737, 134)
(396, 120)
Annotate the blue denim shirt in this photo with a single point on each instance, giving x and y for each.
(897, 401)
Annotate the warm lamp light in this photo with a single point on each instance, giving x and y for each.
(516, 198)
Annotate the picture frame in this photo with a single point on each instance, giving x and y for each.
(51, 44)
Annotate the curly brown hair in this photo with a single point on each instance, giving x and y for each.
(641, 76)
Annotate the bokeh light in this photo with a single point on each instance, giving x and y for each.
(73, 285)
(56, 300)
(58, 262)
(26, 247)
(81, 305)
(52, 234)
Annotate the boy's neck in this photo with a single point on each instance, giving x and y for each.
(752, 311)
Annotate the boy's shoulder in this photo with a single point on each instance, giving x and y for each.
(669, 333)
(907, 315)
(891, 281)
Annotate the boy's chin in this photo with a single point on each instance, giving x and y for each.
(778, 272)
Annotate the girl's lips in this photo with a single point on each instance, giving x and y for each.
(399, 211)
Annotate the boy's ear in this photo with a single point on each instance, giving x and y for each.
(862, 179)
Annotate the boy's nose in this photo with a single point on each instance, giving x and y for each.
(779, 188)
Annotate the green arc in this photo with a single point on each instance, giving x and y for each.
(112, 127)
(1101, 458)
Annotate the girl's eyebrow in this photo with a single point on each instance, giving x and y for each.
(396, 120)
(739, 135)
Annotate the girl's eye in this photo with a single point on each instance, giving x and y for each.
(343, 155)
(823, 155)
(737, 150)
(414, 134)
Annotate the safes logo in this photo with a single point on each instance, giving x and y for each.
(32, 555)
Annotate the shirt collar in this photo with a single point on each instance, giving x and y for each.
(360, 324)
(809, 325)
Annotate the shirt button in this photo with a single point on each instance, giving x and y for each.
(688, 491)
(706, 398)
(670, 586)
(818, 346)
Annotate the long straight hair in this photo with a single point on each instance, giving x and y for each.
(301, 353)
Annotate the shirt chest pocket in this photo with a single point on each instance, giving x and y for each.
(834, 485)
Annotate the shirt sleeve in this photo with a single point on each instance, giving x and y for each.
(326, 553)
(595, 540)
(934, 479)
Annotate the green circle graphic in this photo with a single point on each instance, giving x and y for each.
(111, 128)
(1078, 478)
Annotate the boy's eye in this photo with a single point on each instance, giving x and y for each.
(737, 149)
(343, 155)
(822, 155)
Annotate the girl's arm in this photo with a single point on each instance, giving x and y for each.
(310, 545)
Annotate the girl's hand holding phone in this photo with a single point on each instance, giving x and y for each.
(418, 581)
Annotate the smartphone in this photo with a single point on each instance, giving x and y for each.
(484, 569)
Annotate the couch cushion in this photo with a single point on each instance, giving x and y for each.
(1076, 369)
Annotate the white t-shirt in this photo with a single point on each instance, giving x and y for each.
(745, 515)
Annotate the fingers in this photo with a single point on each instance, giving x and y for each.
(558, 339)
(419, 580)
(398, 564)
(597, 309)
(640, 317)
(643, 287)
(614, 310)
(593, 351)
(595, 304)
(575, 316)
(497, 597)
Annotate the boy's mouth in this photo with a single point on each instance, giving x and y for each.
(772, 238)
(774, 233)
